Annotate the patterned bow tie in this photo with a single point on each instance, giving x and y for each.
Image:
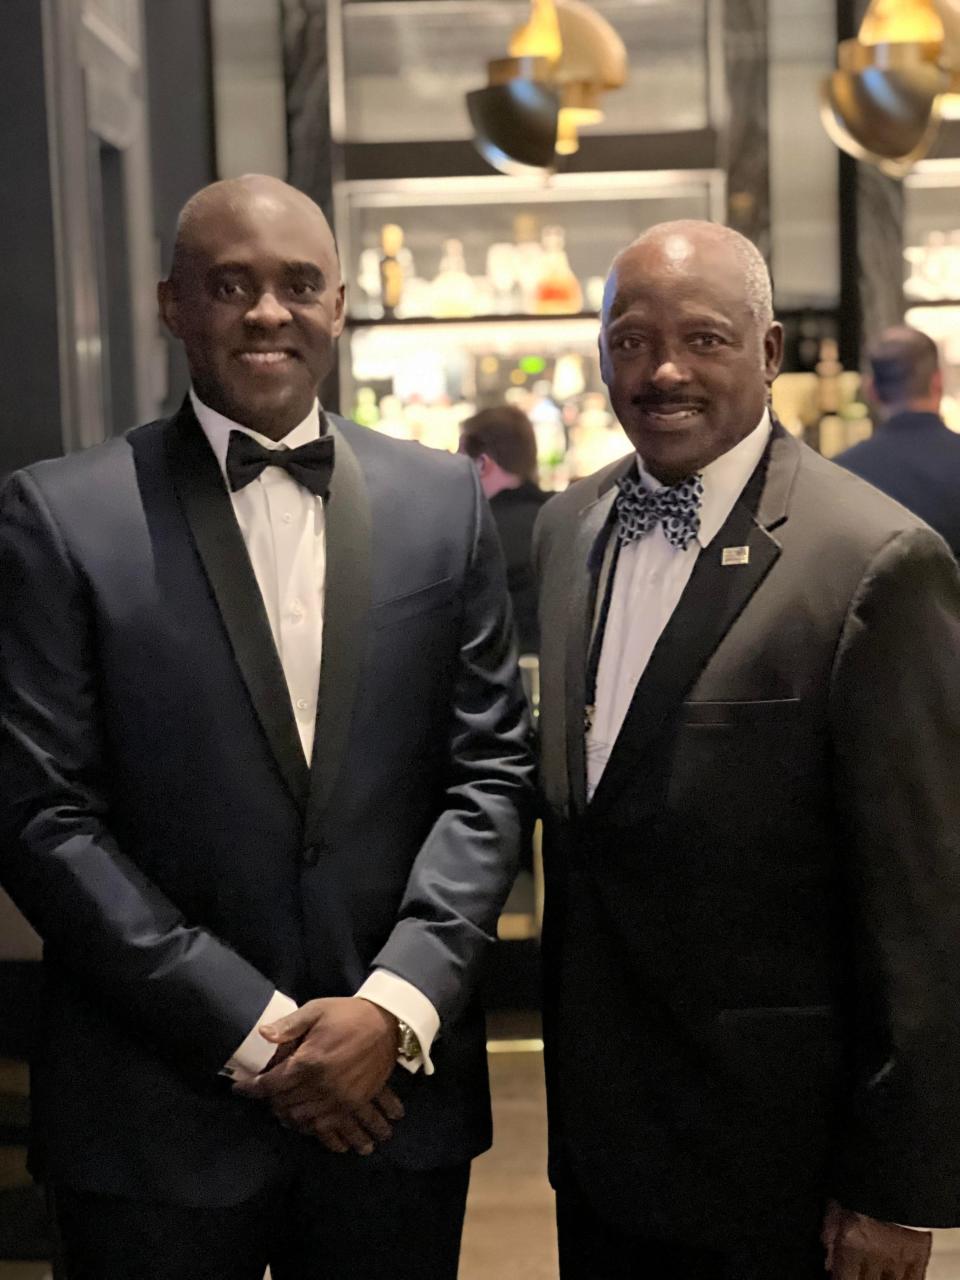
(676, 507)
(310, 464)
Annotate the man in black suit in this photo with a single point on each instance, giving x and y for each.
(503, 445)
(263, 749)
(750, 725)
(913, 456)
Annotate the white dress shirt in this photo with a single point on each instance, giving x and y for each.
(283, 528)
(651, 575)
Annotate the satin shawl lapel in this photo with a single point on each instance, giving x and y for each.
(209, 512)
(714, 598)
(592, 531)
(345, 622)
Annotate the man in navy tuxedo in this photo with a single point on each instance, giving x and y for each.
(913, 456)
(263, 755)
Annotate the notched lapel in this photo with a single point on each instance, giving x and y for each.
(345, 622)
(219, 542)
(587, 557)
(714, 598)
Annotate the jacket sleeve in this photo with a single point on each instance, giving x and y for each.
(895, 708)
(101, 920)
(464, 870)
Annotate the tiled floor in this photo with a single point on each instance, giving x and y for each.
(946, 1258)
(509, 1231)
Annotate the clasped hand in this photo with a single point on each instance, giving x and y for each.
(860, 1248)
(328, 1077)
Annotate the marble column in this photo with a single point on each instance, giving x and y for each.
(310, 154)
(880, 230)
(310, 158)
(880, 206)
(746, 145)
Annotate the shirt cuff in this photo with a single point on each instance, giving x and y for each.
(254, 1054)
(409, 1005)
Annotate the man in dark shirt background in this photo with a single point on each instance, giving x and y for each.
(913, 456)
(502, 443)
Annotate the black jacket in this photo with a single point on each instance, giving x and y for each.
(515, 512)
(915, 458)
(752, 932)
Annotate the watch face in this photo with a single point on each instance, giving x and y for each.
(409, 1046)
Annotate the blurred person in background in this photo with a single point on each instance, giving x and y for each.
(503, 445)
(913, 455)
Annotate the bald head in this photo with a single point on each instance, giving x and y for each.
(682, 240)
(905, 370)
(237, 198)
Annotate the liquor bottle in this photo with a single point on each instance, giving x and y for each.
(569, 379)
(370, 282)
(548, 427)
(827, 434)
(391, 269)
(558, 290)
(366, 411)
(453, 290)
(528, 257)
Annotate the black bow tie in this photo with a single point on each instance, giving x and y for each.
(310, 464)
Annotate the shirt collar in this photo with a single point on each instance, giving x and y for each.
(724, 479)
(912, 418)
(217, 429)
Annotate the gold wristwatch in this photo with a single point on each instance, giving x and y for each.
(408, 1046)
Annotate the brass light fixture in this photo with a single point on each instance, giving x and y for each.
(895, 82)
(561, 62)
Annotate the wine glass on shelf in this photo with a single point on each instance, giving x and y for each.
(502, 274)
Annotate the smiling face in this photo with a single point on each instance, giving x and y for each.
(257, 300)
(685, 359)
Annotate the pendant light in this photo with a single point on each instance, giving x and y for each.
(894, 82)
(561, 62)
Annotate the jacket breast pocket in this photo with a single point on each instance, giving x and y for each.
(737, 766)
(721, 714)
(413, 604)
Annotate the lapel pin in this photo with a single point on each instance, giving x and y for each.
(735, 555)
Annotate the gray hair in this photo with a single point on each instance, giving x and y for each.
(758, 288)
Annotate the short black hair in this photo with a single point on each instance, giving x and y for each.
(903, 362)
(505, 434)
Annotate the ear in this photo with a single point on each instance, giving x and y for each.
(340, 311)
(936, 384)
(169, 308)
(773, 351)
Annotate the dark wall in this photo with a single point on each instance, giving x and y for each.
(182, 141)
(29, 367)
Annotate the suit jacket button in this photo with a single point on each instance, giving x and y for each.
(311, 855)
